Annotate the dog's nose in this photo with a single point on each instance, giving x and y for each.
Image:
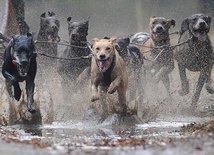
(102, 56)
(24, 62)
(159, 29)
(202, 24)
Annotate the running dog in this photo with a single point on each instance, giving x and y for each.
(108, 73)
(158, 57)
(78, 32)
(20, 65)
(196, 54)
(48, 32)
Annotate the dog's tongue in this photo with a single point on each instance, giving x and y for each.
(104, 64)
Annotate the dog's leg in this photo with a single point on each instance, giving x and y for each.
(17, 91)
(121, 107)
(103, 104)
(184, 81)
(200, 84)
(94, 90)
(208, 84)
(30, 85)
(8, 84)
(166, 83)
(114, 85)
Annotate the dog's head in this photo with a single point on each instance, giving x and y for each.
(159, 27)
(22, 50)
(198, 25)
(78, 31)
(104, 52)
(50, 25)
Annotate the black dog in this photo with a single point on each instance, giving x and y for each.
(20, 65)
(196, 55)
(78, 32)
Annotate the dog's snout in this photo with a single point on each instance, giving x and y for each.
(55, 27)
(159, 29)
(102, 56)
(73, 36)
(24, 62)
(202, 24)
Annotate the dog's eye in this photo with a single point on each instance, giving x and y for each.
(97, 49)
(108, 48)
(164, 22)
(194, 19)
(205, 19)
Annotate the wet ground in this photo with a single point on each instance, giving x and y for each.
(178, 137)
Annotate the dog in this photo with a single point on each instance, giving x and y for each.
(78, 32)
(134, 61)
(158, 57)
(20, 65)
(196, 54)
(108, 73)
(48, 32)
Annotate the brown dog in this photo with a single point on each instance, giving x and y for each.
(108, 73)
(159, 60)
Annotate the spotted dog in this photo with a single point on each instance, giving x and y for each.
(196, 55)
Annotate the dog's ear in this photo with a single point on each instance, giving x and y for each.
(87, 21)
(51, 13)
(112, 39)
(69, 20)
(30, 41)
(43, 15)
(184, 25)
(13, 41)
(208, 20)
(172, 22)
(95, 40)
(152, 17)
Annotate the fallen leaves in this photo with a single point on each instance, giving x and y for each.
(12, 135)
(194, 128)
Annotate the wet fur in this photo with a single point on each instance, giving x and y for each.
(114, 79)
(10, 71)
(164, 63)
(78, 32)
(196, 55)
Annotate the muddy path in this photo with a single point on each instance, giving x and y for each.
(159, 137)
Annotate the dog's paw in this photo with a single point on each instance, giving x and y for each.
(111, 89)
(95, 98)
(183, 93)
(31, 108)
(17, 94)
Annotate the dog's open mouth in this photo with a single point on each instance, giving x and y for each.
(103, 64)
(200, 33)
(22, 69)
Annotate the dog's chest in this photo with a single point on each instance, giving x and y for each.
(106, 79)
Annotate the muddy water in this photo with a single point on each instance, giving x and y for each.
(159, 137)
